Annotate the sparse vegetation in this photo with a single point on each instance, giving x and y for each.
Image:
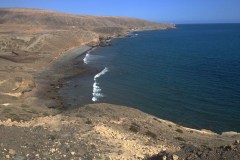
(151, 134)
(88, 121)
(157, 120)
(14, 117)
(45, 114)
(179, 130)
(25, 106)
(134, 127)
(52, 137)
(33, 111)
(180, 138)
(6, 110)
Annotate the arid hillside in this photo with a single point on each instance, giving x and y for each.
(49, 31)
(61, 20)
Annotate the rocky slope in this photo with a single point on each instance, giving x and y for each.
(104, 131)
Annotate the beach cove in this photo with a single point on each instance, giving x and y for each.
(193, 82)
(42, 58)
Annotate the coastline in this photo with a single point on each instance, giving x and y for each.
(67, 65)
(62, 68)
(127, 131)
(33, 114)
(51, 78)
(106, 42)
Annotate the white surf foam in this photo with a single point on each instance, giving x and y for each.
(105, 70)
(86, 59)
(96, 88)
(132, 35)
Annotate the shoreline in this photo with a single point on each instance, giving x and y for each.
(104, 44)
(64, 60)
(38, 55)
(101, 131)
(52, 77)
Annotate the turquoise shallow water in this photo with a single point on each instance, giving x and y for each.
(189, 75)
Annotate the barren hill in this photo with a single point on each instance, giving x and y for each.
(57, 19)
(50, 31)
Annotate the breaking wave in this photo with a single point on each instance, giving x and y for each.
(85, 59)
(96, 88)
(132, 35)
(87, 56)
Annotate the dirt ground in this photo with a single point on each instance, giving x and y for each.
(104, 131)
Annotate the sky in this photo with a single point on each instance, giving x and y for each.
(173, 11)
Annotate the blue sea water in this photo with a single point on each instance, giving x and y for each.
(189, 75)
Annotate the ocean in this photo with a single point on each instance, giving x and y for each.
(189, 75)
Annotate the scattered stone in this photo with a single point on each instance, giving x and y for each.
(120, 152)
(52, 137)
(164, 158)
(19, 158)
(228, 147)
(174, 157)
(73, 153)
(12, 152)
(7, 156)
(52, 150)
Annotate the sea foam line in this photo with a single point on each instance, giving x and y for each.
(96, 88)
(87, 56)
(85, 59)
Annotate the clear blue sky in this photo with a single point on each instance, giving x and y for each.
(175, 11)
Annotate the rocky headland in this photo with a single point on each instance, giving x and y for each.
(37, 52)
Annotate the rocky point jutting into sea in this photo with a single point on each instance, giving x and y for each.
(38, 49)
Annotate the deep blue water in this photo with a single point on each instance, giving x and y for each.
(189, 75)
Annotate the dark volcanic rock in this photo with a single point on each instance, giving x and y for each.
(103, 42)
(191, 152)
